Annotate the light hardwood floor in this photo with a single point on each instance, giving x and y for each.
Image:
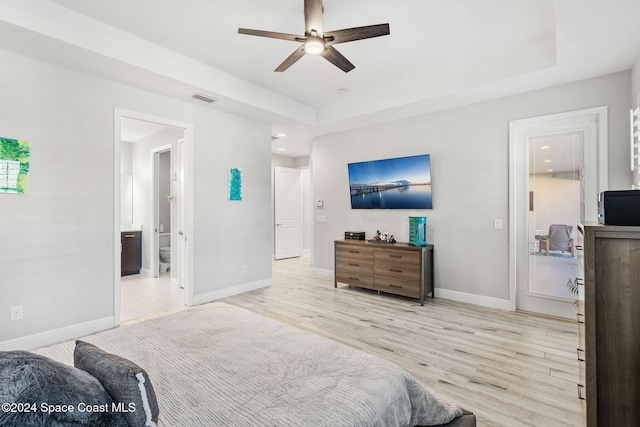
(144, 297)
(510, 369)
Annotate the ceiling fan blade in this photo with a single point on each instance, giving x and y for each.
(358, 33)
(313, 17)
(297, 54)
(271, 34)
(337, 59)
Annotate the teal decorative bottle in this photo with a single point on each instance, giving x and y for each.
(418, 230)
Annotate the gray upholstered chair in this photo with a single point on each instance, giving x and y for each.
(558, 239)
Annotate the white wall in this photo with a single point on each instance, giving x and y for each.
(469, 154)
(57, 246)
(635, 83)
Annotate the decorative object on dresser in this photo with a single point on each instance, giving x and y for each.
(130, 252)
(609, 325)
(399, 269)
(382, 238)
(354, 235)
(418, 230)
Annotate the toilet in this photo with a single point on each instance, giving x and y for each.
(165, 252)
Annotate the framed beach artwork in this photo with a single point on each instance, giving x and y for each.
(14, 166)
(398, 183)
(235, 184)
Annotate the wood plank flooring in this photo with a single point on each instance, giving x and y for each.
(510, 369)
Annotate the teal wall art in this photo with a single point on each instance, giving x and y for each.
(235, 184)
(14, 166)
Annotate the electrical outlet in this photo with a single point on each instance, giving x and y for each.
(245, 268)
(16, 313)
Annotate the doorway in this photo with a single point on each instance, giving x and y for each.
(555, 162)
(168, 150)
(583, 136)
(288, 213)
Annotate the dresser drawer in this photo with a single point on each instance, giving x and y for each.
(361, 280)
(354, 251)
(407, 288)
(392, 256)
(408, 272)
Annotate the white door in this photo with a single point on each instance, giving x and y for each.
(288, 213)
(591, 126)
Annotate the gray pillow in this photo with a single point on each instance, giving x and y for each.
(38, 391)
(127, 383)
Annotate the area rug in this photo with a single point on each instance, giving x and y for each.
(221, 365)
(557, 254)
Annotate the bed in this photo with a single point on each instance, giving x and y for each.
(221, 365)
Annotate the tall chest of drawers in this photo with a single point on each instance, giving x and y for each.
(610, 333)
(398, 268)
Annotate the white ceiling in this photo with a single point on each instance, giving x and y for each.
(440, 54)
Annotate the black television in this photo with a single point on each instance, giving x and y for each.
(398, 183)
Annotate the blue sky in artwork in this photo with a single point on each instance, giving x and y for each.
(415, 169)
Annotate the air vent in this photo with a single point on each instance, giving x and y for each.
(205, 98)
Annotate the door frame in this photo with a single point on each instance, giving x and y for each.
(594, 175)
(154, 244)
(186, 274)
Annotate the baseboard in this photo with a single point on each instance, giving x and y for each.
(322, 272)
(58, 335)
(501, 304)
(145, 272)
(230, 291)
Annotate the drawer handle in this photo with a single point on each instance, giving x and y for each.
(355, 265)
(395, 271)
(354, 252)
(578, 316)
(578, 351)
(354, 278)
(580, 388)
(395, 256)
(395, 286)
(128, 236)
(579, 247)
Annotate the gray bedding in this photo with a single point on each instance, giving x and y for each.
(220, 365)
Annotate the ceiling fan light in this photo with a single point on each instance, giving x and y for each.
(314, 45)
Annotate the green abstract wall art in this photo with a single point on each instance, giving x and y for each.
(235, 184)
(14, 166)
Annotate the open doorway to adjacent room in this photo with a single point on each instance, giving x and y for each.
(152, 168)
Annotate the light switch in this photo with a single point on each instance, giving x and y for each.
(319, 203)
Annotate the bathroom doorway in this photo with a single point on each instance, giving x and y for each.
(163, 222)
(160, 202)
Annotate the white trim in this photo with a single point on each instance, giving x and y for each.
(58, 335)
(501, 304)
(230, 291)
(322, 272)
(119, 113)
(519, 130)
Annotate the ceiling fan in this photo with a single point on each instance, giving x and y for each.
(318, 42)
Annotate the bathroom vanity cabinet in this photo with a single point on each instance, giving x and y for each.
(131, 252)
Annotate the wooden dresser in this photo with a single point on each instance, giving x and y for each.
(398, 268)
(610, 335)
